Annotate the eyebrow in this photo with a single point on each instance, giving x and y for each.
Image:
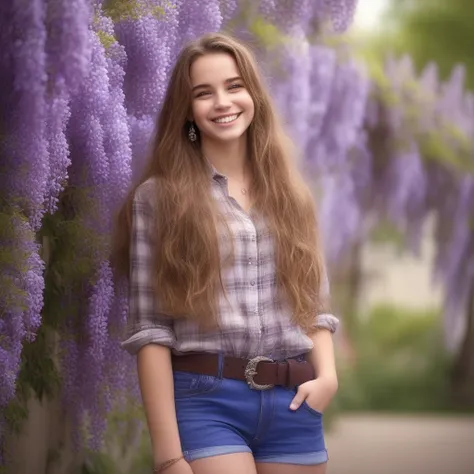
(202, 86)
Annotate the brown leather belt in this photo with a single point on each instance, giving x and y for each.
(260, 373)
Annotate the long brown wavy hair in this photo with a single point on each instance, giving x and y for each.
(188, 264)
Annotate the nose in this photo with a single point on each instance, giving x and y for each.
(222, 100)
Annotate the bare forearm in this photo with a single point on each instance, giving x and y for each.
(322, 355)
(156, 384)
(319, 392)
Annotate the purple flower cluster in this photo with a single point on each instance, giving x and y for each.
(68, 59)
(291, 88)
(293, 16)
(336, 149)
(24, 157)
(421, 133)
(100, 172)
(344, 116)
(229, 9)
(21, 296)
(24, 171)
(148, 50)
(341, 13)
(81, 91)
(453, 201)
(197, 17)
(68, 44)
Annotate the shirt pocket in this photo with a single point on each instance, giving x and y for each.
(187, 384)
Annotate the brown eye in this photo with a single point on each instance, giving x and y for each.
(203, 93)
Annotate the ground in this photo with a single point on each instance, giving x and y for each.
(400, 444)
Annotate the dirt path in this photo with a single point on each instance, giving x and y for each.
(386, 444)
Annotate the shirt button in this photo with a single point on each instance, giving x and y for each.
(253, 238)
(250, 261)
(252, 282)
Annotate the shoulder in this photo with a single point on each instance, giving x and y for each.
(146, 192)
(145, 197)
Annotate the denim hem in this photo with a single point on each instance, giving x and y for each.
(211, 451)
(302, 459)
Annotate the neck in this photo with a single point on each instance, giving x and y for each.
(229, 159)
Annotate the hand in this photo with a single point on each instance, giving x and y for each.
(318, 393)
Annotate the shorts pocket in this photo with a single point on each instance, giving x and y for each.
(305, 406)
(311, 410)
(187, 384)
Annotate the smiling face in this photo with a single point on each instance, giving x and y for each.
(221, 105)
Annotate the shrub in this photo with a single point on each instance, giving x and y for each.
(401, 363)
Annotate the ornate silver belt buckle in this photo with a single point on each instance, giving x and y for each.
(251, 372)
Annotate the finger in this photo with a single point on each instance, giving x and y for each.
(299, 398)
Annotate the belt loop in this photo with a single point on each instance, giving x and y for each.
(220, 365)
(282, 372)
(292, 378)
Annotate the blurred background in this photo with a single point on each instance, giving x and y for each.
(400, 407)
(380, 103)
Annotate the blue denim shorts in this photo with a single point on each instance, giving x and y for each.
(222, 416)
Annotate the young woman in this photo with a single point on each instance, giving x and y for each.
(228, 292)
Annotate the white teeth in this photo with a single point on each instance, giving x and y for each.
(228, 119)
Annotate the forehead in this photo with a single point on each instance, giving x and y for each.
(213, 68)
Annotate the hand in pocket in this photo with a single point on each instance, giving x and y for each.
(316, 393)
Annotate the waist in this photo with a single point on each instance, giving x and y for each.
(260, 373)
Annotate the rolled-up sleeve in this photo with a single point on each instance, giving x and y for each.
(326, 320)
(146, 325)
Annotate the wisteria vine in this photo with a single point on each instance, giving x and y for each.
(82, 82)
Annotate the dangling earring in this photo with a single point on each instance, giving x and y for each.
(192, 133)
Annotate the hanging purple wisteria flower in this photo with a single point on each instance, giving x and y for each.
(24, 165)
(24, 171)
(21, 296)
(149, 43)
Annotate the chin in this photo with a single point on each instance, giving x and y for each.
(228, 137)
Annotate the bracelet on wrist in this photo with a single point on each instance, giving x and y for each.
(166, 465)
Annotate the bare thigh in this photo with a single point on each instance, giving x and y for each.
(276, 468)
(238, 463)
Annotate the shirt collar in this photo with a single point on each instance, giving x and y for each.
(214, 174)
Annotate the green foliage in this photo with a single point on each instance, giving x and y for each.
(120, 10)
(449, 146)
(69, 249)
(38, 371)
(387, 232)
(16, 412)
(266, 33)
(443, 143)
(12, 257)
(106, 39)
(72, 252)
(127, 445)
(98, 463)
(434, 30)
(401, 364)
(38, 376)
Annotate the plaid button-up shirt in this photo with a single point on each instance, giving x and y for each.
(252, 320)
